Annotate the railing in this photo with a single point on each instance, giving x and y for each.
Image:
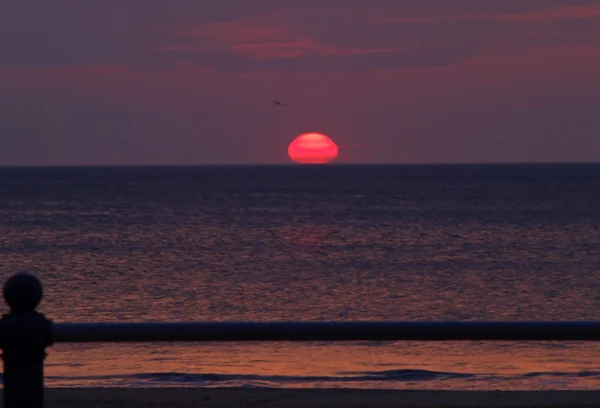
(25, 334)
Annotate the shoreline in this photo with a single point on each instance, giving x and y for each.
(310, 398)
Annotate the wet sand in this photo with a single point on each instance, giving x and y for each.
(309, 398)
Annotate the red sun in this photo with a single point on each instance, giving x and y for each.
(312, 148)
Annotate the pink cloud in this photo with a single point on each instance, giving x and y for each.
(579, 12)
(240, 31)
(326, 39)
(301, 48)
(264, 38)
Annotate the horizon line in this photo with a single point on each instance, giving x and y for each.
(506, 163)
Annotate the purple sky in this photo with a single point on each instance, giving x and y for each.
(396, 81)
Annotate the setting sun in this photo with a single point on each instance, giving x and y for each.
(313, 148)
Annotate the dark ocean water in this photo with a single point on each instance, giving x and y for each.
(266, 243)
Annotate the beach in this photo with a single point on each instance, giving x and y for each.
(309, 398)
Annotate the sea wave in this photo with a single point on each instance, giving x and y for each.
(347, 379)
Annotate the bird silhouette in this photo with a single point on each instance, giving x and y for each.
(278, 103)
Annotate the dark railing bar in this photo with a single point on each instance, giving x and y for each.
(326, 331)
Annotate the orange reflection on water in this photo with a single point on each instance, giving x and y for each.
(329, 364)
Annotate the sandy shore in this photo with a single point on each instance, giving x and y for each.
(235, 397)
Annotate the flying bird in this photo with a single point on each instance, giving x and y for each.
(278, 103)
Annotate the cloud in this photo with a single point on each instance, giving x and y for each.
(234, 36)
(577, 12)
(304, 39)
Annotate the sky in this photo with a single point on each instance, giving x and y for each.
(151, 82)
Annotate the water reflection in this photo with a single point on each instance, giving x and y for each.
(399, 365)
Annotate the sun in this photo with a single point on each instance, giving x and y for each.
(312, 148)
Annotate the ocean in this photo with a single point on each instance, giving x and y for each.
(304, 243)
